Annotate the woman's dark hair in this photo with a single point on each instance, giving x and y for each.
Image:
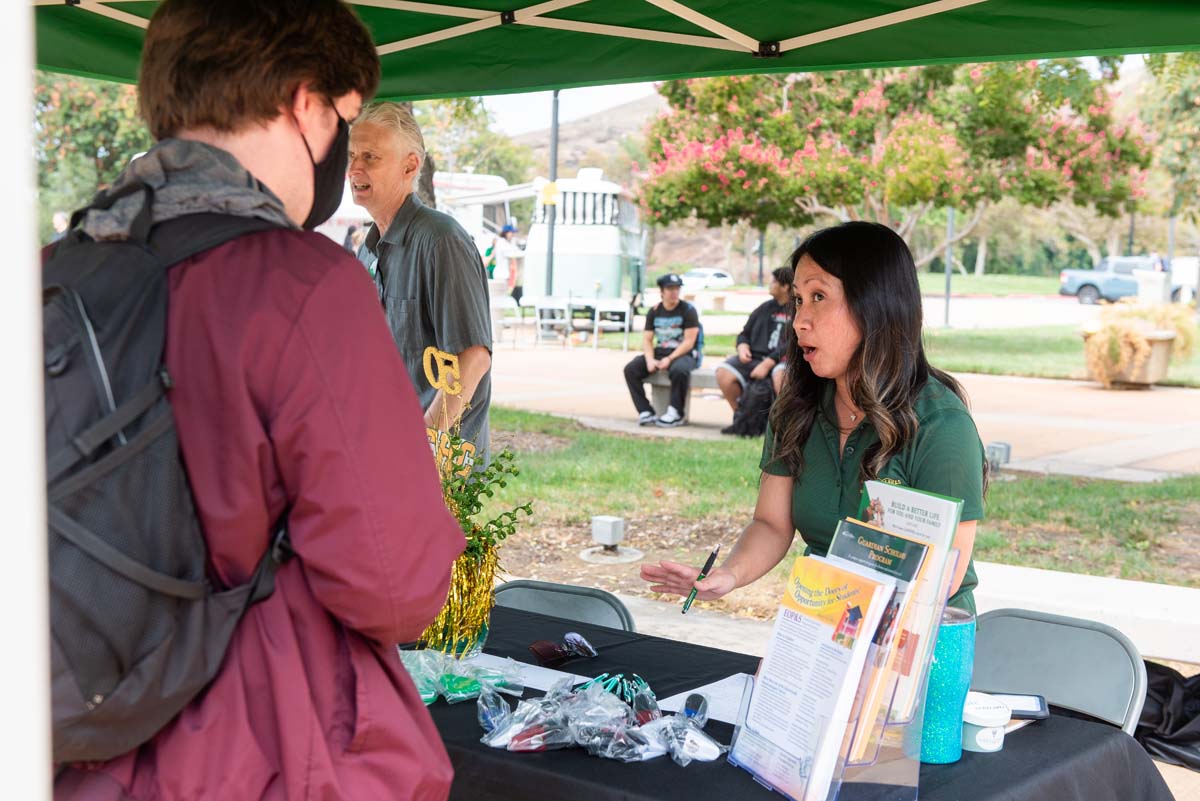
(888, 369)
(784, 275)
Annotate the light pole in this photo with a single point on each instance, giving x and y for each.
(551, 208)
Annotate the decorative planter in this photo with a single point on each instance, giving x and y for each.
(1138, 372)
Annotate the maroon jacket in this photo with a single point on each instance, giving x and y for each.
(290, 394)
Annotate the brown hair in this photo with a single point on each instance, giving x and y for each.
(888, 370)
(228, 64)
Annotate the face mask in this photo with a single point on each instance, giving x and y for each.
(328, 177)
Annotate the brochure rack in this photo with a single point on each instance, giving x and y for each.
(889, 769)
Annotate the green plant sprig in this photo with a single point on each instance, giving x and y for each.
(465, 493)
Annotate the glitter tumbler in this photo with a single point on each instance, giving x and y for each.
(946, 688)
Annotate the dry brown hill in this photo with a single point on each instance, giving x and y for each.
(595, 141)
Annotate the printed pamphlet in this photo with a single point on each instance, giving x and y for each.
(808, 680)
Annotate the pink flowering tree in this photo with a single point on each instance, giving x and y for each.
(890, 145)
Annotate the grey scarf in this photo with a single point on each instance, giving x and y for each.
(187, 177)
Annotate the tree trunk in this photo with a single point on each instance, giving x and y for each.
(727, 235)
(425, 182)
(424, 187)
(1112, 244)
(923, 259)
(748, 243)
(981, 256)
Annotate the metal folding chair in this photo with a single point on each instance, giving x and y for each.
(585, 604)
(1076, 664)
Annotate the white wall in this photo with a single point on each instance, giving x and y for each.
(25, 735)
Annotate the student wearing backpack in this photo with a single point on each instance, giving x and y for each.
(291, 405)
(745, 378)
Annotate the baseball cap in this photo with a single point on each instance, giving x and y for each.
(670, 279)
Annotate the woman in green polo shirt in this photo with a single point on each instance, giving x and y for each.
(859, 402)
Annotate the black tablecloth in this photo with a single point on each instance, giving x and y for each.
(1060, 759)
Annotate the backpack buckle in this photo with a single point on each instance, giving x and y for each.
(281, 546)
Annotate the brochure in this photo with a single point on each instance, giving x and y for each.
(933, 520)
(904, 560)
(808, 679)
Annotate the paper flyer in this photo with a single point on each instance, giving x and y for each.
(810, 674)
(927, 518)
(903, 559)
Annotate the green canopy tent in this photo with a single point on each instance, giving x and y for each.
(462, 47)
(465, 47)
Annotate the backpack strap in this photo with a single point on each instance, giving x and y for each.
(180, 238)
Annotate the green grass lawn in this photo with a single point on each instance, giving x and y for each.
(998, 285)
(1052, 351)
(1094, 527)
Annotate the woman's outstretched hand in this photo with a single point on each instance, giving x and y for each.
(678, 579)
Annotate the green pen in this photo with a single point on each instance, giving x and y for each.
(708, 565)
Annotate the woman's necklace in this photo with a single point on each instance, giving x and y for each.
(853, 415)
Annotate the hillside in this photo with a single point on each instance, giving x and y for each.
(595, 141)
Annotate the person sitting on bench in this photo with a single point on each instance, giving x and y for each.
(669, 343)
(761, 345)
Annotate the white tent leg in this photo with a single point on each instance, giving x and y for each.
(25, 740)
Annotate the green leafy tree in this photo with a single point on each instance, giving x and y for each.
(86, 131)
(1174, 108)
(457, 133)
(891, 145)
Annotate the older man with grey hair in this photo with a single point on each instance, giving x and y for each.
(430, 278)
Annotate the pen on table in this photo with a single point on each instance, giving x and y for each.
(708, 565)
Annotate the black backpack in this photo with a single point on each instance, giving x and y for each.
(136, 628)
(754, 407)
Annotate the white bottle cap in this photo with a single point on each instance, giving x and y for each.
(984, 710)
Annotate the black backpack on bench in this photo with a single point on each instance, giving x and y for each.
(137, 630)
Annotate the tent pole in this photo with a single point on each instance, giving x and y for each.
(553, 209)
(24, 747)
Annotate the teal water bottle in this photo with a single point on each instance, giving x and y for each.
(946, 688)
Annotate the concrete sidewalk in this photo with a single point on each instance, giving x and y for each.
(1060, 427)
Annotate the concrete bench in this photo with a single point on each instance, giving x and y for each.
(660, 388)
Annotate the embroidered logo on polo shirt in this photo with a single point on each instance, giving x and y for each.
(895, 482)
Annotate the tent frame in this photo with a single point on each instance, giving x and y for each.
(724, 38)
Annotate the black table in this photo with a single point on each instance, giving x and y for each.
(1059, 759)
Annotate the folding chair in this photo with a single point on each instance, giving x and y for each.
(552, 316)
(1076, 664)
(585, 604)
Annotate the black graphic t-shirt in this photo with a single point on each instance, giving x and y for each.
(765, 331)
(668, 326)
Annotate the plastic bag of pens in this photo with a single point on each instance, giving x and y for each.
(609, 717)
(437, 675)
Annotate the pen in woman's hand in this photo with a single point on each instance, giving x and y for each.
(708, 565)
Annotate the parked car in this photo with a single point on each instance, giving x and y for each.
(1113, 279)
(1185, 275)
(707, 278)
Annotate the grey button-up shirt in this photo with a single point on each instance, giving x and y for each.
(434, 291)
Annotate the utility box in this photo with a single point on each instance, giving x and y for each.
(997, 454)
(608, 530)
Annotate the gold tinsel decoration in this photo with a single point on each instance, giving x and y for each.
(468, 604)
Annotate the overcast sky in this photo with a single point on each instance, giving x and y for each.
(515, 114)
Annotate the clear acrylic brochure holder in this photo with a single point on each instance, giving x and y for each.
(879, 759)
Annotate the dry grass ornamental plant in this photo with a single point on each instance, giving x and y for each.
(1119, 345)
